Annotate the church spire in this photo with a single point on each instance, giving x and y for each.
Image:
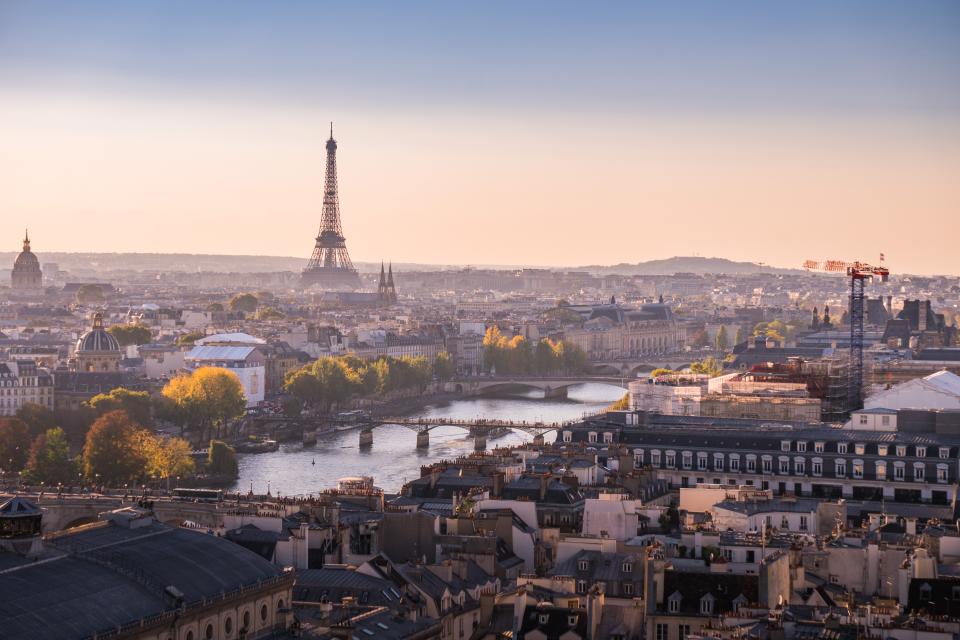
(26, 240)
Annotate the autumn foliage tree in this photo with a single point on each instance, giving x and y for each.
(137, 404)
(206, 399)
(113, 452)
(515, 356)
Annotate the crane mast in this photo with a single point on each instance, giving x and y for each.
(859, 273)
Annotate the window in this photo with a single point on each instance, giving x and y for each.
(784, 466)
(751, 464)
(816, 467)
(673, 603)
(784, 522)
(607, 437)
(734, 462)
(718, 462)
(581, 586)
(568, 436)
(944, 453)
(801, 446)
(858, 469)
(582, 565)
(899, 471)
(784, 445)
(885, 421)
(918, 472)
(841, 447)
(592, 436)
(799, 466)
(638, 457)
(671, 458)
(208, 633)
(840, 468)
(942, 473)
(881, 449)
(881, 468)
(901, 451)
(859, 448)
(683, 630)
(767, 464)
(544, 618)
(863, 418)
(803, 523)
(228, 626)
(655, 458)
(572, 620)
(627, 567)
(246, 620)
(661, 632)
(818, 447)
(628, 588)
(687, 460)
(702, 461)
(921, 452)
(706, 605)
(263, 613)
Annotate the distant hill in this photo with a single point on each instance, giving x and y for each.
(687, 264)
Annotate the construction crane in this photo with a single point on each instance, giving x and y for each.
(859, 273)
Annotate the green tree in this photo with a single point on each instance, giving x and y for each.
(722, 341)
(222, 459)
(89, 294)
(137, 404)
(573, 359)
(214, 307)
(50, 460)
(443, 367)
(113, 453)
(37, 417)
(127, 334)
(246, 302)
(190, 338)
(292, 407)
(741, 335)
(14, 444)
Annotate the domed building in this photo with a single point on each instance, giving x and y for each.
(97, 350)
(26, 274)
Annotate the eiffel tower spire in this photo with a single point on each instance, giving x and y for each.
(330, 264)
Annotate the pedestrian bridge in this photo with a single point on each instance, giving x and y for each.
(552, 387)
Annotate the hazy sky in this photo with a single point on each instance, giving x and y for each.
(553, 133)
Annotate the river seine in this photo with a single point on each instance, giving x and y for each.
(393, 459)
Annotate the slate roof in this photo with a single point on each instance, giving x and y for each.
(333, 584)
(89, 589)
(725, 588)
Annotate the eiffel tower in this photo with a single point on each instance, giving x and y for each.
(330, 265)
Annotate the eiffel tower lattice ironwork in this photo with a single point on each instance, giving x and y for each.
(330, 264)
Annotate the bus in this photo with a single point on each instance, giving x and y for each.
(198, 495)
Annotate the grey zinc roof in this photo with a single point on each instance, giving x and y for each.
(88, 589)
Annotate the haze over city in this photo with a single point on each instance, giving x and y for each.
(538, 134)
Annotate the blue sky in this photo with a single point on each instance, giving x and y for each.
(619, 84)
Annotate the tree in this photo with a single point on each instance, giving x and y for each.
(709, 366)
(623, 404)
(670, 519)
(269, 313)
(137, 404)
(741, 335)
(207, 398)
(662, 371)
(127, 334)
(167, 457)
(189, 338)
(113, 453)
(246, 302)
(50, 460)
(222, 459)
(292, 407)
(89, 294)
(14, 444)
(443, 367)
(37, 417)
(214, 307)
(700, 339)
(722, 341)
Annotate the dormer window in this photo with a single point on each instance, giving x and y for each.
(673, 602)
(582, 565)
(784, 445)
(572, 621)
(706, 604)
(544, 618)
(627, 567)
(841, 447)
(739, 601)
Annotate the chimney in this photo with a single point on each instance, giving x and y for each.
(890, 306)
(911, 526)
(544, 483)
(922, 313)
(487, 600)
(498, 478)
(434, 476)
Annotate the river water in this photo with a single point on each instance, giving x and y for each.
(394, 458)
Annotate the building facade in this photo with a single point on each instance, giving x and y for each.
(22, 382)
